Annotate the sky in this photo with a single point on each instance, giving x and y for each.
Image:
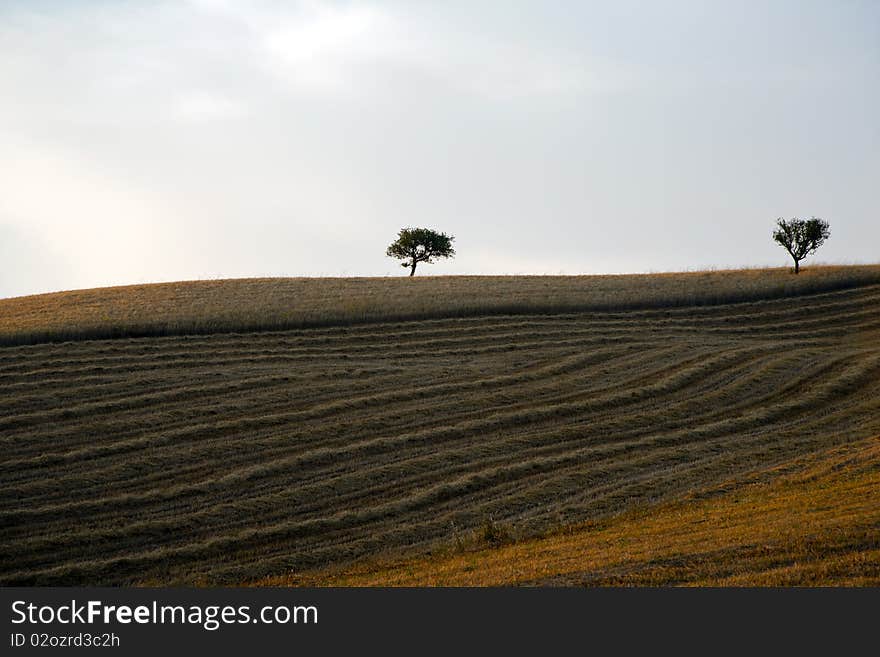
(161, 141)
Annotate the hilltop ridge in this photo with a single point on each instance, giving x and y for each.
(242, 305)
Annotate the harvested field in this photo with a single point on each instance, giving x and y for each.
(229, 457)
(229, 306)
(812, 521)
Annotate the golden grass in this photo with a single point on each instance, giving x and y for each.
(230, 457)
(200, 307)
(814, 521)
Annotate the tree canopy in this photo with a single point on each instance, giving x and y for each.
(801, 237)
(415, 245)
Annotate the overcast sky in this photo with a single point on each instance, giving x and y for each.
(157, 141)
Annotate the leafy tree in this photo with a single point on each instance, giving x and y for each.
(415, 245)
(801, 237)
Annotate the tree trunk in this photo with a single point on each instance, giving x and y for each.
(797, 266)
(413, 270)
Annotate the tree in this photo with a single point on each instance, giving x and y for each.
(801, 237)
(415, 245)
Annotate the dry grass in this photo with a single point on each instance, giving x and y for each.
(275, 304)
(230, 457)
(814, 521)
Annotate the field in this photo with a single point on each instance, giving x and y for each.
(208, 307)
(812, 521)
(400, 431)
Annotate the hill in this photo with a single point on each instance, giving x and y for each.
(261, 304)
(534, 405)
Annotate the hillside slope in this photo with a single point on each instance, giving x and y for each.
(811, 521)
(231, 457)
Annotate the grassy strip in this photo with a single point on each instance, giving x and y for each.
(245, 305)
